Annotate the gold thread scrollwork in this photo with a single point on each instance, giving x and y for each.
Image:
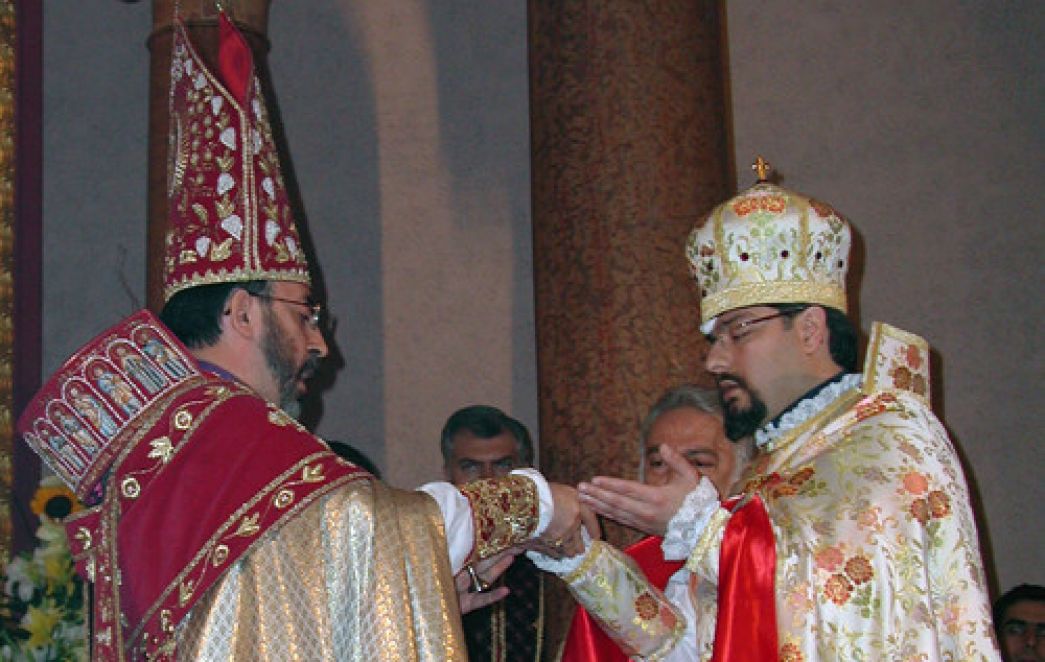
(166, 622)
(221, 554)
(185, 591)
(130, 488)
(83, 536)
(312, 474)
(248, 526)
(504, 512)
(283, 498)
(182, 420)
(278, 417)
(162, 449)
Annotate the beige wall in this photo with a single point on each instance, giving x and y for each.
(922, 122)
(407, 123)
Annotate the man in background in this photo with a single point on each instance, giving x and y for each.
(481, 442)
(688, 420)
(1019, 619)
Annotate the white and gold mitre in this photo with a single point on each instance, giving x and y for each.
(769, 245)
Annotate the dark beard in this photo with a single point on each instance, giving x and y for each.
(740, 423)
(281, 365)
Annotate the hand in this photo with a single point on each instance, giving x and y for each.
(563, 537)
(643, 507)
(487, 571)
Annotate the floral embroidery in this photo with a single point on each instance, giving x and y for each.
(784, 490)
(773, 204)
(829, 559)
(668, 618)
(822, 210)
(859, 569)
(504, 512)
(901, 375)
(790, 652)
(838, 589)
(914, 357)
(873, 407)
(935, 506)
(646, 607)
(916, 483)
(802, 476)
(920, 511)
(939, 504)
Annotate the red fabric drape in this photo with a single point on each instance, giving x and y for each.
(746, 628)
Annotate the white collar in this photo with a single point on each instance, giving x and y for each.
(803, 410)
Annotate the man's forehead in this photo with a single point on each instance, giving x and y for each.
(686, 448)
(473, 442)
(1029, 611)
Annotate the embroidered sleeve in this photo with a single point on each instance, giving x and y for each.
(688, 523)
(637, 616)
(505, 511)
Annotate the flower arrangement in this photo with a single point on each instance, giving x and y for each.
(42, 606)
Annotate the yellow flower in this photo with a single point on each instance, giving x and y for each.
(56, 569)
(40, 622)
(54, 498)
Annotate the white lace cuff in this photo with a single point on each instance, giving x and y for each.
(565, 565)
(687, 524)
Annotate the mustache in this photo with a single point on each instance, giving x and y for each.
(309, 367)
(730, 377)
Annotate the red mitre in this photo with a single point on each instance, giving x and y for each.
(90, 409)
(230, 218)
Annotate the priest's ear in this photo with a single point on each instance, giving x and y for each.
(242, 315)
(813, 334)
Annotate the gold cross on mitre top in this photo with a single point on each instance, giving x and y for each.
(762, 168)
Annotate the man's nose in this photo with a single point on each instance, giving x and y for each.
(717, 359)
(486, 471)
(317, 344)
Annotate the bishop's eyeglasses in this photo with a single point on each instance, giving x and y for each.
(317, 314)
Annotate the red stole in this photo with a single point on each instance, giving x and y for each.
(199, 485)
(746, 628)
(586, 640)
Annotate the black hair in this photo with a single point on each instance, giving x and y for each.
(194, 314)
(841, 333)
(1021, 593)
(485, 422)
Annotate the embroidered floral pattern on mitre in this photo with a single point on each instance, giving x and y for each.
(688, 523)
(505, 511)
(769, 244)
(767, 435)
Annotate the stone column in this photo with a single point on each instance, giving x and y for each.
(629, 149)
(201, 20)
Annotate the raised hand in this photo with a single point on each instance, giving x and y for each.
(643, 507)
